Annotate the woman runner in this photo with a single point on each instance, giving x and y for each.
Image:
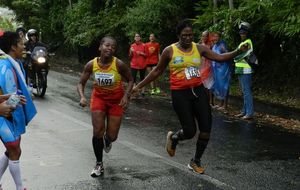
(189, 99)
(108, 99)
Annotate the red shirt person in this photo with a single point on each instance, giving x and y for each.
(152, 49)
(138, 55)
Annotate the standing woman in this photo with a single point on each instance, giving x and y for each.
(13, 125)
(206, 67)
(108, 99)
(222, 73)
(189, 99)
(152, 49)
(137, 55)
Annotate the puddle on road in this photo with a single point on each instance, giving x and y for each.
(248, 141)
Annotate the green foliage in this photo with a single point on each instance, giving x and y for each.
(80, 25)
(148, 16)
(6, 24)
(285, 20)
(6, 19)
(154, 16)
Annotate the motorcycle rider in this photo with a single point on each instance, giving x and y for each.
(33, 41)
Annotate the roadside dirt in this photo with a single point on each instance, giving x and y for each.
(291, 125)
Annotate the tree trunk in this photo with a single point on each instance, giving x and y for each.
(70, 2)
(230, 4)
(215, 8)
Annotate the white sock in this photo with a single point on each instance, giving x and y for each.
(3, 165)
(14, 168)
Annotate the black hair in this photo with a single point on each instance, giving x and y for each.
(183, 24)
(7, 40)
(107, 37)
(21, 29)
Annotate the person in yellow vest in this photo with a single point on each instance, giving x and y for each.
(244, 72)
(189, 98)
(108, 99)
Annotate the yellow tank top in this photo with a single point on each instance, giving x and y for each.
(185, 68)
(107, 80)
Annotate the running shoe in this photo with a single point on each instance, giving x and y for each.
(98, 170)
(196, 167)
(240, 115)
(247, 117)
(157, 90)
(152, 92)
(170, 145)
(107, 144)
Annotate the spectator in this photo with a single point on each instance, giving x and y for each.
(137, 54)
(244, 72)
(13, 125)
(152, 49)
(222, 72)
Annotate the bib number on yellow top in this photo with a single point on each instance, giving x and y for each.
(192, 72)
(105, 79)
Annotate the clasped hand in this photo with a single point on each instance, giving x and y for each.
(5, 109)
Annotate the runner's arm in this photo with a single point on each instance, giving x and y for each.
(159, 69)
(85, 75)
(126, 74)
(206, 52)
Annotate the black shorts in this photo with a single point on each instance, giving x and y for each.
(142, 73)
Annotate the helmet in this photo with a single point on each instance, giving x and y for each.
(245, 26)
(32, 32)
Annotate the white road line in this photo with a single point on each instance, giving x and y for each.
(177, 165)
(148, 153)
(60, 132)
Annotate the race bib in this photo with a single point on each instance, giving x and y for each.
(192, 72)
(105, 79)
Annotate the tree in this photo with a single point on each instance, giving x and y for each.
(230, 2)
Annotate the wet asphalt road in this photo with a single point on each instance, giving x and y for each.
(57, 150)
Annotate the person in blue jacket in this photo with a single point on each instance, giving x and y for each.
(222, 72)
(13, 123)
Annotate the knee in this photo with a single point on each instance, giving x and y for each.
(14, 152)
(98, 132)
(112, 138)
(204, 136)
(188, 134)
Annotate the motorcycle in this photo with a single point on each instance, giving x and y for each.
(38, 70)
